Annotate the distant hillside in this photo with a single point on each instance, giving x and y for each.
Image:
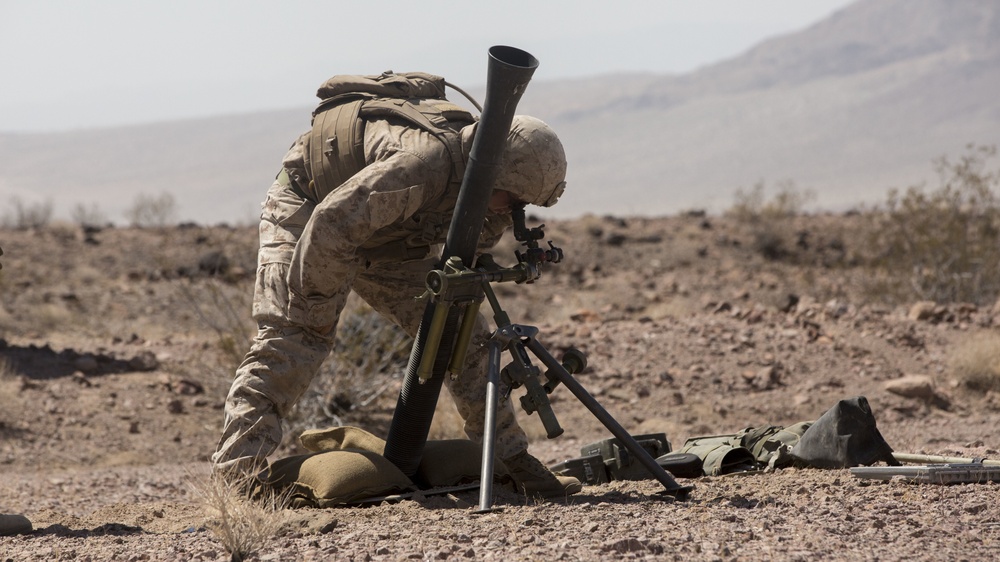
(849, 107)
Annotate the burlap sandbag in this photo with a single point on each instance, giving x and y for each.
(340, 438)
(335, 478)
(447, 462)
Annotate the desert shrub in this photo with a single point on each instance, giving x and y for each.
(25, 216)
(942, 245)
(148, 211)
(242, 525)
(88, 217)
(976, 362)
(770, 220)
(9, 386)
(225, 311)
(367, 363)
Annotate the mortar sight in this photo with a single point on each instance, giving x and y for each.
(529, 237)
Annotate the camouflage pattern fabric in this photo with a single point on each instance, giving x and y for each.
(312, 254)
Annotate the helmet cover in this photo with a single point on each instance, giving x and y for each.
(534, 163)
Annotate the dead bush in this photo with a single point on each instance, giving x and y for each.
(770, 221)
(976, 362)
(26, 216)
(152, 212)
(89, 216)
(944, 245)
(9, 389)
(226, 311)
(242, 525)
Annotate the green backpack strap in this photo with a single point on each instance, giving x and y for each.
(336, 146)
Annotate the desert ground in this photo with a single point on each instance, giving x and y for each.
(118, 346)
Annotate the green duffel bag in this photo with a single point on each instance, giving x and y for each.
(720, 454)
(764, 441)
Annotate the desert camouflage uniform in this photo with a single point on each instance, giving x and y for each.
(312, 254)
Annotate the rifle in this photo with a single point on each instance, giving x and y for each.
(947, 473)
(937, 469)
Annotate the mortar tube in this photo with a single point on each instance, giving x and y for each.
(508, 74)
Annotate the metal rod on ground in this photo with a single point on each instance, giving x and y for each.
(671, 486)
(937, 459)
(509, 72)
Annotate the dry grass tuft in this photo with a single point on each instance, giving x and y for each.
(241, 524)
(976, 363)
(10, 386)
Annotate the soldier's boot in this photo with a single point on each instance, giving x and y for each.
(536, 481)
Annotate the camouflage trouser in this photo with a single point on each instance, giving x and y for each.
(284, 357)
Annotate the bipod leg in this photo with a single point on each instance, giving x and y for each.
(672, 488)
(495, 347)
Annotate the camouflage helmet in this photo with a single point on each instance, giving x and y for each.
(534, 167)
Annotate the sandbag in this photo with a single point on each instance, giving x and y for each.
(340, 438)
(335, 478)
(446, 462)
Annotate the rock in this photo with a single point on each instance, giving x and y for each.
(766, 378)
(923, 310)
(144, 361)
(585, 315)
(615, 239)
(187, 387)
(11, 524)
(912, 386)
(175, 407)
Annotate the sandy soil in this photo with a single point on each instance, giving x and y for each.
(118, 346)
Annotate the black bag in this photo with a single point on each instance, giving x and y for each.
(844, 436)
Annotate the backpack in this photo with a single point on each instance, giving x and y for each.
(334, 149)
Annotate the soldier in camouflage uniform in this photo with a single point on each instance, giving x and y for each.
(378, 234)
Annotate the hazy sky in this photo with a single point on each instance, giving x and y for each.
(82, 63)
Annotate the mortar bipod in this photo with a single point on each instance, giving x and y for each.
(520, 337)
(456, 284)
